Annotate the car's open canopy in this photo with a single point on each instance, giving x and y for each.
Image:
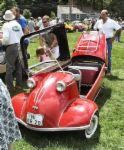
(32, 41)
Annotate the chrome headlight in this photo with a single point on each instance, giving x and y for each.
(31, 83)
(60, 86)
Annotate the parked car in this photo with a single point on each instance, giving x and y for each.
(78, 26)
(61, 95)
(69, 27)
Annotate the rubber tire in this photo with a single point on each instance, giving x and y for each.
(95, 119)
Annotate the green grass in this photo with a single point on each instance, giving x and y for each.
(110, 134)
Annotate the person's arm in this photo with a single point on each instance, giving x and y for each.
(95, 27)
(117, 32)
(41, 41)
(55, 42)
(24, 26)
(117, 29)
(26, 30)
(5, 39)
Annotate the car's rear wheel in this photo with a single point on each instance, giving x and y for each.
(89, 132)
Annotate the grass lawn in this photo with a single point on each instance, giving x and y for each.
(110, 134)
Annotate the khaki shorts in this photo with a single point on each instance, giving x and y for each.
(2, 68)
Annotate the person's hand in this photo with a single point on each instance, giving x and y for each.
(113, 38)
(47, 50)
(48, 53)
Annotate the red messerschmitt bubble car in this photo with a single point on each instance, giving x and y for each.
(62, 91)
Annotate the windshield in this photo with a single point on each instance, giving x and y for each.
(45, 66)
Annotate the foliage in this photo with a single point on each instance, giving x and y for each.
(2, 6)
(53, 15)
(27, 13)
(7, 4)
(116, 6)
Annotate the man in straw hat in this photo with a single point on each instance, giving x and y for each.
(12, 32)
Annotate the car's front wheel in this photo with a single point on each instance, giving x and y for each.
(89, 132)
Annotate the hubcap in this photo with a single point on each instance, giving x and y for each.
(89, 132)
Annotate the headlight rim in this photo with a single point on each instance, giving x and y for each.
(33, 83)
(61, 83)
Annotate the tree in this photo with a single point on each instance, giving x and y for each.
(53, 15)
(117, 7)
(112, 5)
(6, 4)
(27, 13)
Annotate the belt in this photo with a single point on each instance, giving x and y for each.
(6, 46)
(11, 44)
(108, 38)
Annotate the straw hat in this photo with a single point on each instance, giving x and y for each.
(8, 15)
(39, 18)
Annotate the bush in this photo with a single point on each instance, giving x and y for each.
(53, 15)
(27, 13)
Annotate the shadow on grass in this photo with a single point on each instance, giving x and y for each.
(112, 78)
(104, 95)
(121, 42)
(67, 140)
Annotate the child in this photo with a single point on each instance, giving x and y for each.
(42, 54)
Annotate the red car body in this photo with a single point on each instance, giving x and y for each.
(63, 99)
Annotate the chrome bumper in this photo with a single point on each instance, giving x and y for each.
(53, 129)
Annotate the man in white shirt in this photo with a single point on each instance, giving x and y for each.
(12, 33)
(108, 26)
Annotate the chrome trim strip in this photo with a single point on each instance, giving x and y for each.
(97, 94)
(40, 63)
(88, 46)
(84, 67)
(53, 129)
(39, 92)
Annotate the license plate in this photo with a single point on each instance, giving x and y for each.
(35, 119)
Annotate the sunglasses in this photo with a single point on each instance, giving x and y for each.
(44, 21)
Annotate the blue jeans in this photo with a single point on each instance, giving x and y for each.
(109, 45)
